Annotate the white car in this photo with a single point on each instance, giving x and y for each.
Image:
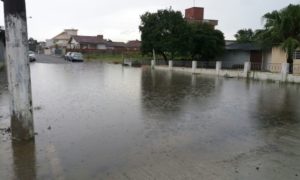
(31, 56)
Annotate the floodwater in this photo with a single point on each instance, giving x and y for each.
(103, 121)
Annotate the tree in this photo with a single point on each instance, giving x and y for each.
(165, 32)
(33, 44)
(205, 42)
(282, 28)
(245, 35)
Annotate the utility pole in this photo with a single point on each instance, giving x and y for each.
(18, 70)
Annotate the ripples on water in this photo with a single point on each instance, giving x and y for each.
(111, 122)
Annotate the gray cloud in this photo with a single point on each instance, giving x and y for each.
(119, 20)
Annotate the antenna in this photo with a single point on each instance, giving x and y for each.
(194, 3)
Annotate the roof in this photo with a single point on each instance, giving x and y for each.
(66, 34)
(134, 44)
(116, 44)
(89, 39)
(243, 46)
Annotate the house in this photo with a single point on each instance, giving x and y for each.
(87, 42)
(196, 15)
(59, 43)
(236, 54)
(94, 43)
(121, 46)
(275, 56)
(133, 45)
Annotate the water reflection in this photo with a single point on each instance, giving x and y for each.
(277, 106)
(111, 122)
(24, 160)
(167, 91)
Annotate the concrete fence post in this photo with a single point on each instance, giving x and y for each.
(194, 66)
(218, 67)
(170, 64)
(18, 70)
(285, 71)
(247, 68)
(153, 64)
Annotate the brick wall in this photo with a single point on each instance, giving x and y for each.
(194, 13)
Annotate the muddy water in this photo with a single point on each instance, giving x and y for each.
(101, 121)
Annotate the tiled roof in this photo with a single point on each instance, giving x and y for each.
(134, 44)
(243, 46)
(89, 40)
(116, 44)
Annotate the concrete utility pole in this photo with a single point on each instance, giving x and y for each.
(18, 70)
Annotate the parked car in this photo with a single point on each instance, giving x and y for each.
(67, 56)
(75, 56)
(31, 56)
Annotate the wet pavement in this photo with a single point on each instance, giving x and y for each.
(104, 121)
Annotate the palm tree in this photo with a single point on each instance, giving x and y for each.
(282, 28)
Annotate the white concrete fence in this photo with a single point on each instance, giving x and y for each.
(245, 72)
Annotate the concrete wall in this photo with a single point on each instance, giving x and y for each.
(267, 58)
(278, 55)
(296, 64)
(101, 46)
(47, 51)
(256, 75)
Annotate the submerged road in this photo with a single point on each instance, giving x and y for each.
(50, 59)
(104, 121)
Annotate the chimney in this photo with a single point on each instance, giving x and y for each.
(100, 37)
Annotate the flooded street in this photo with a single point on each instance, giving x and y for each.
(105, 121)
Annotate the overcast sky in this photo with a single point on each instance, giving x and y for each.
(119, 20)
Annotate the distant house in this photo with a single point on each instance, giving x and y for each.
(59, 43)
(87, 42)
(121, 46)
(94, 43)
(134, 45)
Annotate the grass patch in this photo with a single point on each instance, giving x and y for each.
(104, 57)
(115, 58)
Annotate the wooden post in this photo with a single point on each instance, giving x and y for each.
(18, 69)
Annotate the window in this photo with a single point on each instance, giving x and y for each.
(297, 55)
